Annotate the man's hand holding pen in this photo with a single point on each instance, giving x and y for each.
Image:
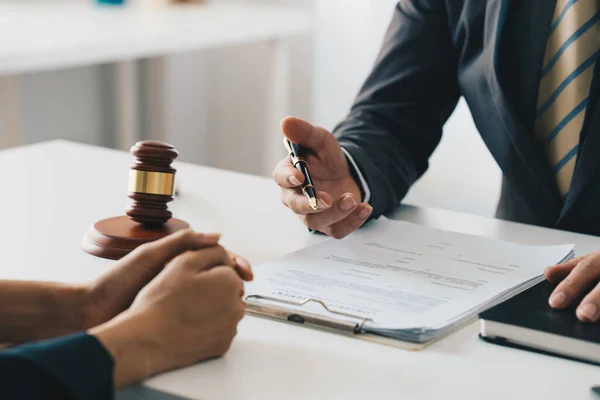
(339, 211)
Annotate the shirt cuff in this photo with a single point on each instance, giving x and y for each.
(361, 178)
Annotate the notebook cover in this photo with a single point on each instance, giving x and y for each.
(530, 309)
(503, 342)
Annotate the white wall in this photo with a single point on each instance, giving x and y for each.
(68, 104)
(462, 175)
(212, 121)
(214, 101)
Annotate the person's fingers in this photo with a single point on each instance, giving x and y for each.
(589, 308)
(229, 280)
(340, 210)
(160, 252)
(304, 133)
(242, 266)
(585, 274)
(298, 202)
(324, 200)
(351, 223)
(556, 273)
(286, 176)
(200, 260)
(229, 284)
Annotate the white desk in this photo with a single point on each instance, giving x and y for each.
(52, 192)
(41, 35)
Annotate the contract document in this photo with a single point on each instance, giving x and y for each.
(398, 279)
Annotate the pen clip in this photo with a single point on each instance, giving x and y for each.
(287, 145)
(292, 154)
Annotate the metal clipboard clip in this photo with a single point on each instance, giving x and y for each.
(305, 318)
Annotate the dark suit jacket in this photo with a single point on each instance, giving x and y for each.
(434, 52)
(71, 367)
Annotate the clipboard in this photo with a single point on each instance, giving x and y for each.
(261, 306)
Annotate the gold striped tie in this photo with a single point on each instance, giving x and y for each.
(571, 51)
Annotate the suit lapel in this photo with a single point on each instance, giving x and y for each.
(531, 174)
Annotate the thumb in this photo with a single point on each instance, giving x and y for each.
(305, 134)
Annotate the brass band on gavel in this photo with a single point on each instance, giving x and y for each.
(151, 182)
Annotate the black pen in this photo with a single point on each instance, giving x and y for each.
(308, 188)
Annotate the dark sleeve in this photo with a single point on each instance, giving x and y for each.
(396, 120)
(71, 367)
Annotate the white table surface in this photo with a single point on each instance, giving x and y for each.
(48, 34)
(52, 192)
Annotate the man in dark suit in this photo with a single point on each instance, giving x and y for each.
(527, 70)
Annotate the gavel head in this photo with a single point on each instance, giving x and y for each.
(151, 182)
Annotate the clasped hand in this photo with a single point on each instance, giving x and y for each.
(168, 304)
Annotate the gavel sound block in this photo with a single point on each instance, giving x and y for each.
(151, 187)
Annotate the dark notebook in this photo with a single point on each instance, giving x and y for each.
(527, 322)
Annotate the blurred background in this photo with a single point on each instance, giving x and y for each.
(213, 79)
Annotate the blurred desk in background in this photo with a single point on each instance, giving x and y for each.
(41, 36)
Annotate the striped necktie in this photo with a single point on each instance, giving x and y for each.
(571, 51)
